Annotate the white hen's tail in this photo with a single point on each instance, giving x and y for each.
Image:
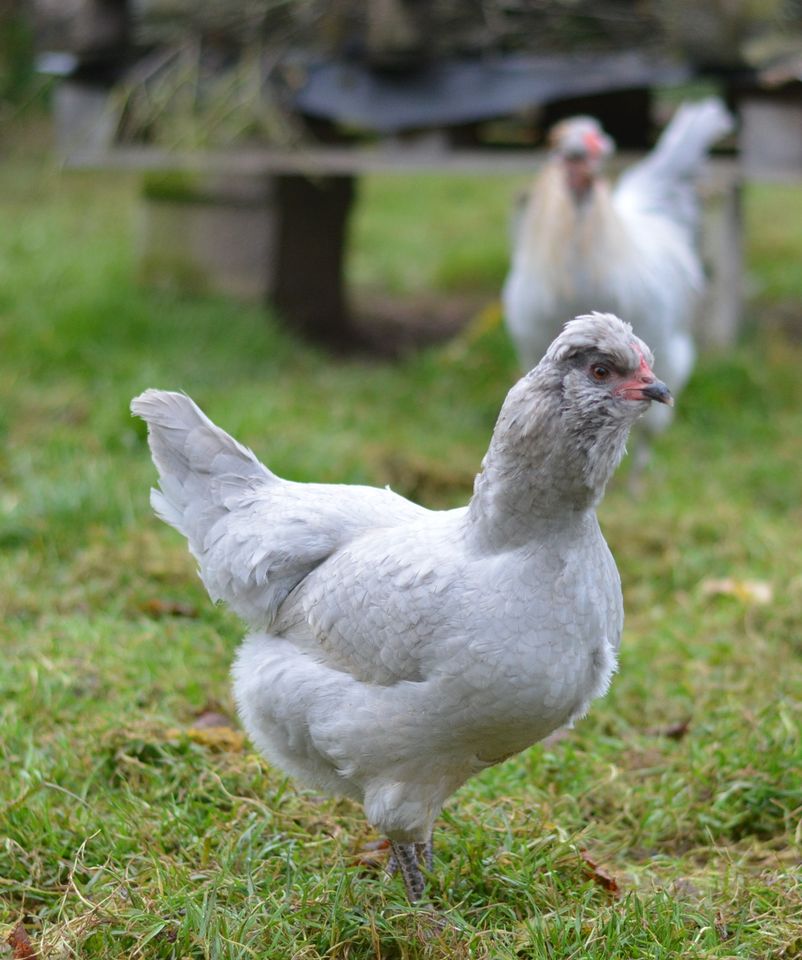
(192, 456)
(693, 130)
(663, 182)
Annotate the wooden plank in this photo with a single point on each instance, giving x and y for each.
(333, 161)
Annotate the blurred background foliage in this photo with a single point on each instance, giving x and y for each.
(220, 71)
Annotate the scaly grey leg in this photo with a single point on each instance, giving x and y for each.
(423, 851)
(406, 857)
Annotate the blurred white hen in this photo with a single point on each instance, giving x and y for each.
(396, 651)
(631, 250)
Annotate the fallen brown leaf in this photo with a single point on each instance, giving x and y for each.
(212, 718)
(372, 854)
(158, 608)
(674, 731)
(215, 730)
(211, 729)
(21, 945)
(599, 874)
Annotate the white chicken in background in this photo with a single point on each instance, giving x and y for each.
(632, 250)
(395, 651)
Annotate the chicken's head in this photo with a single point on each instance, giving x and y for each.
(605, 370)
(581, 146)
(563, 428)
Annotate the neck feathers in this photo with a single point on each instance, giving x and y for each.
(545, 465)
(559, 232)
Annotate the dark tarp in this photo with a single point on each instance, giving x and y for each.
(451, 92)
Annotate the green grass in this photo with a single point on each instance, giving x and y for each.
(124, 836)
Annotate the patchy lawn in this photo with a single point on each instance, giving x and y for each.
(667, 824)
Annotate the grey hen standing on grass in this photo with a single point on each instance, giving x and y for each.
(396, 651)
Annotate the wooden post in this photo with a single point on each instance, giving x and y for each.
(720, 319)
(308, 272)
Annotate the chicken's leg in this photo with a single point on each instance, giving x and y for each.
(424, 852)
(405, 857)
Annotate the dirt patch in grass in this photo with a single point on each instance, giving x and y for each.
(392, 326)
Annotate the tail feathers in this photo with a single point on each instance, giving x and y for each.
(693, 130)
(663, 183)
(196, 460)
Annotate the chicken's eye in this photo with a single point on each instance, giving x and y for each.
(599, 372)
